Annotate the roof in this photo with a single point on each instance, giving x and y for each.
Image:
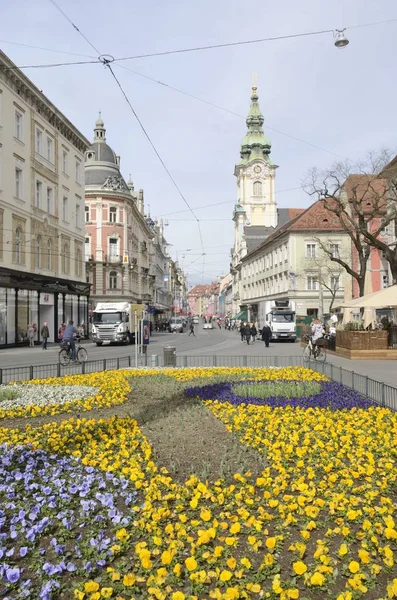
(204, 289)
(256, 234)
(368, 190)
(315, 218)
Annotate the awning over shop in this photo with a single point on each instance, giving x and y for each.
(381, 299)
(241, 316)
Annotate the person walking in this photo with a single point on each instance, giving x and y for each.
(242, 331)
(266, 334)
(30, 332)
(45, 334)
(61, 331)
(247, 333)
(192, 329)
(253, 332)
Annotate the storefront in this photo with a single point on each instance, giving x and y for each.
(24, 301)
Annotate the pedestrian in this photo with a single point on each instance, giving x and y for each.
(247, 333)
(253, 332)
(192, 329)
(61, 331)
(266, 334)
(30, 333)
(242, 331)
(45, 334)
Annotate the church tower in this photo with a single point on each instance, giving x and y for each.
(255, 173)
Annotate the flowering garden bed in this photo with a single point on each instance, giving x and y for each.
(95, 508)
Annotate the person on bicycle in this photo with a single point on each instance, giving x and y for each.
(317, 331)
(69, 335)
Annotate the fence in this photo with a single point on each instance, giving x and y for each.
(383, 394)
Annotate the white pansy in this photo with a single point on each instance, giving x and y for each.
(38, 395)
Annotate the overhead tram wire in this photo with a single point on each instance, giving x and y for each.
(46, 49)
(49, 65)
(247, 42)
(107, 63)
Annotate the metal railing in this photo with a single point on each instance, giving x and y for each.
(381, 393)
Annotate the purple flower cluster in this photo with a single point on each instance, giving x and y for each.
(334, 396)
(57, 518)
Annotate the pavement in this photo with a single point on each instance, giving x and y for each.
(205, 343)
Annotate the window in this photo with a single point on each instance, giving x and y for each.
(334, 248)
(19, 125)
(39, 141)
(334, 282)
(385, 281)
(50, 145)
(18, 244)
(113, 247)
(49, 255)
(257, 188)
(65, 258)
(113, 214)
(113, 280)
(18, 183)
(78, 170)
(78, 224)
(310, 250)
(39, 190)
(64, 208)
(64, 162)
(312, 283)
(38, 252)
(87, 214)
(49, 200)
(78, 263)
(87, 248)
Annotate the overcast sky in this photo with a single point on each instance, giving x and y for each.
(340, 100)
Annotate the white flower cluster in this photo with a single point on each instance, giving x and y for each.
(38, 395)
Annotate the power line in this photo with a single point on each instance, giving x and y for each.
(49, 65)
(246, 42)
(46, 49)
(74, 26)
(156, 151)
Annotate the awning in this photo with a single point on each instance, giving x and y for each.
(241, 316)
(380, 299)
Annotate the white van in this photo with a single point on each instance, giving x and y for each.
(176, 324)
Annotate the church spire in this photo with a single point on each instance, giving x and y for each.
(255, 144)
(99, 131)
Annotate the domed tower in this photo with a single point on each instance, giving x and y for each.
(116, 231)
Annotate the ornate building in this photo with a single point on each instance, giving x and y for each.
(42, 270)
(118, 237)
(255, 214)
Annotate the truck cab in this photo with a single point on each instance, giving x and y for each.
(282, 321)
(110, 323)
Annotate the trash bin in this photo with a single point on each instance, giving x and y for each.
(169, 356)
(393, 336)
(332, 343)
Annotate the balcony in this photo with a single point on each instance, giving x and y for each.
(115, 259)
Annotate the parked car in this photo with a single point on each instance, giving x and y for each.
(196, 320)
(208, 326)
(176, 324)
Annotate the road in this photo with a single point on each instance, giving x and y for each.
(216, 342)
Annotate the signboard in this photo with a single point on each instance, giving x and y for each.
(125, 259)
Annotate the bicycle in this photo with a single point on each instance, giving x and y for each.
(314, 351)
(65, 353)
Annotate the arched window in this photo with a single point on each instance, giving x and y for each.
(38, 252)
(257, 188)
(113, 214)
(78, 263)
(49, 255)
(18, 245)
(113, 280)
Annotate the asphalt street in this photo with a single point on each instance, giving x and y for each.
(205, 343)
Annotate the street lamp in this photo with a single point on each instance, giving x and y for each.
(341, 40)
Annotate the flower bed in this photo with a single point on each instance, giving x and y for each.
(320, 519)
(331, 395)
(24, 395)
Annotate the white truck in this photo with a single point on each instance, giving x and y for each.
(281, 317)
(114, 322)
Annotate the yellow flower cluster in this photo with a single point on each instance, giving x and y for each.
(323, 503)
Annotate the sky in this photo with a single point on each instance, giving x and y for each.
(339, 103)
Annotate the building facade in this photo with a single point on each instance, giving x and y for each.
(117, 234)
(42, 269)
(255, 214)
(291, 265)
(203, 300)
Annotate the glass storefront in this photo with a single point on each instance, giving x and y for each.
(3, 315)
(11, 305)
(22, 316)
(34, 311)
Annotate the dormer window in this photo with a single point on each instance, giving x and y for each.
(90, 155)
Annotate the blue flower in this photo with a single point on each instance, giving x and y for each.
(13, 575)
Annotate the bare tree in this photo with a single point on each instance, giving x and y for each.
(362, 197)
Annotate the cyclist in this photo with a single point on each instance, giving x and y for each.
(317, 331)
(69, 336)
